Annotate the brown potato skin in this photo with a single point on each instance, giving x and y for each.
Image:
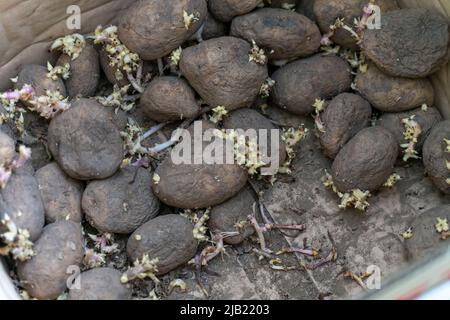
(85, 142)
(61, 194)
(426, 240)
(121, 203)
(226, 10)
(213, 28)
(423, 48)
(21, 194)
(110, 71)
(60, 246)
(84, 72)
(299, 83)
(193, 186)
(168, 238)
(100, 284)
(366, 161)
(224, 217)
(327, 11)
(220, 71)
(290, 34)
(154, 28)
(169, 98)
(344, 117)
(435, 156)
(393, 94)
(7, 148)
(426, 120)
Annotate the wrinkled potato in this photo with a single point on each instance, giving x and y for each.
(366, 161)
(231, 216)
(7, 148)
(226, 10)
(201, 185)
(121, 203)
(58, 249)
(220, 71)
(85, 142)
(412, 43)
(290, 35)
(22, 201)
(436, 156)
(61, 194)
(100, 284)
(426, 239)
(393, 94)
(327, 11)
(154, 28)
(344, 117)
(169, 99)
(425, 119)
(84, 72)
(247, 119)
(299, 83)
(168, 238)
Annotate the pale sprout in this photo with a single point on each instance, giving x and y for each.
(72, 45)
(188, 19)
(257, 54)
(219, 113)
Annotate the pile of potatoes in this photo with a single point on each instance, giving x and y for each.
(86, 184)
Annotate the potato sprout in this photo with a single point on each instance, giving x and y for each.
(72, 45)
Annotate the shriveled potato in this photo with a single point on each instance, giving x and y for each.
(327, 11)
(112, 73)
(220, 71)
(436, 156)
(100, 284)
(21, 200)
(393, 94)
(231, 216)
(168, 238)
(426, 239)
(289, 34)
(169, 99)
(84, 72)
(61, 194)
(411, 43)
(425, 119)
(59, 247)
(85, 142)
(121, 203)
(226, 10)
(154, 28)
(247, 119)
(299, 83)
(366, 161)
(192, 185)
(344, 117)
(7, 148)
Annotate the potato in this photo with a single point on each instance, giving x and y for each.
(121, 203)
(366, 161)
(290, 35)
(426, 240)
(226, 10)
(84, 72)
(299, 83)
(22, 201)
(425, 119)
(61, 194)
(169, 99)
(436, 156)
(393, 94)
(202, 185)
(280, 3)
(36, 139)
(226, 216)
(412, 43)
(247, 119)
(85, 142)
(220, 71)
(213, 28)
(306, 8)
(344, 117)
(154, 28)
(100, 284)
(327, 12)
(168, 238)
(111, 71)
(59, 248)
(7, 148)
